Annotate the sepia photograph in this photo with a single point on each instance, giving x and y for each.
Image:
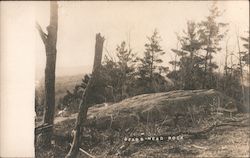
(136, 78)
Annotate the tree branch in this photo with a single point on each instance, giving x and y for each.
(86, 153)
(42, 34)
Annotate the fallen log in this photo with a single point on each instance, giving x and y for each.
(43, 128)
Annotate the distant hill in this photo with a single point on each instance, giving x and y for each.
(63, 83)
(65, 71)
(66, 79)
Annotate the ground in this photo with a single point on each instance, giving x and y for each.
(156, 115)
(225, 141)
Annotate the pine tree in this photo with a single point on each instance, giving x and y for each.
(190, 61)
(151, 60)
(245, 54)
(126, 65)
(211, 33)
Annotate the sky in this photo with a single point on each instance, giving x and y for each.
(118, 21)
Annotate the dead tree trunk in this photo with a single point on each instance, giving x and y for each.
(206, 62)
(243, 99)
(226, 66)
(83, 107)
(50, 40)
(225, 83)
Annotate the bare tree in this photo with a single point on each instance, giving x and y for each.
(50, 40)
(83, 107)
(240, 67)
(226, 58)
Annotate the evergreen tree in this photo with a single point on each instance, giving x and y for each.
(126, 66)
(151, 60)
(211, 33)
(190, 61)
(245, 54)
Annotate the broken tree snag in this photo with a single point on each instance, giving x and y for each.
(50, 40)
(83, 107)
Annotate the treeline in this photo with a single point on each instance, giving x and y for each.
(193, 67)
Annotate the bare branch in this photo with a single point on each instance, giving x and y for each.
(42, 34)
(109, 55)
(85, 152)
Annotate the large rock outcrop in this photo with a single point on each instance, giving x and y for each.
(174, 108)
(158, 107)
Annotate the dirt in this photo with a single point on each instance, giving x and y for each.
(222, 142)
(156, 115)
